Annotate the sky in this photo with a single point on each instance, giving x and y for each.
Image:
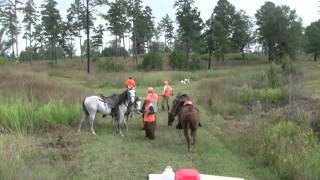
(308, 10)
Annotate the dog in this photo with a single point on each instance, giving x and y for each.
(185, 81)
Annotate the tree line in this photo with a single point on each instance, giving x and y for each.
(278, 31)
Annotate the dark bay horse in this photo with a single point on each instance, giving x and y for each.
(188, 117)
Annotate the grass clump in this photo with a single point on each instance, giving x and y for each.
(26, 116)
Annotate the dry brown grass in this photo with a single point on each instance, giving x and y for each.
(33, 83)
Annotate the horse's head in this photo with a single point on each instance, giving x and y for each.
(132, 95)
(177, 103)
(170, 118)
(137, 103)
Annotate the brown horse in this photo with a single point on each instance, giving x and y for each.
(188, 117)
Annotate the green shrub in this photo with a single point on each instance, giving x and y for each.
(195, 62)
(152, 61)
(284, 146)
(109, 64)
(178, 60)
(28, 116)
(274, 96)
(247, 57)
(3, 60)
(247, 95)
(55, 113)
(274, 77)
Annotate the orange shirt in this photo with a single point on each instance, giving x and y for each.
(167, 91)
(154, 100)
(130, 83)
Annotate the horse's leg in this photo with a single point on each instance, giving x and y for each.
(127, 122)
(121, 119)
(83, 118)
(186, 135)
(91, 119)
(194, 139)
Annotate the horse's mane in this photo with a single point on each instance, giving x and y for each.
(123, 97)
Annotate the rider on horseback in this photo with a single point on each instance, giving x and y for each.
(130, 83)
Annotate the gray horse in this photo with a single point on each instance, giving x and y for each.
(104, 105)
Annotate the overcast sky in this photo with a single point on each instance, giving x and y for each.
(308, 10)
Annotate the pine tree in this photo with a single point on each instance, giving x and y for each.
(29, 20)
(50, 21)
(190, 26)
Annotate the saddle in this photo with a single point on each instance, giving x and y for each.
(112, 101)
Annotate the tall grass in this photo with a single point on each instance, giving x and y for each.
(28, 116)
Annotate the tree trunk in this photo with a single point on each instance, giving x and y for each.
(30, 41)
(124, 48)
(187, 51)
(315, 56)
(16, 33)
(88, 39)
(116, 47)
(136, 48)
(52, 56)
(222, 58)
(242, 52)
(26, 49)
(165, 43)
(270, 53)
(71, 53)
(209, 63)
(80, 47)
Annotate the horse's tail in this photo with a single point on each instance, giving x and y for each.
(84, 108)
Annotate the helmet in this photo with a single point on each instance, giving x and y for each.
(150, 89)
(130, 77)
(166, 82)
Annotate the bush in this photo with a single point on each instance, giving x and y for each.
(178, 60)
(3, 60)
(274, 96)
(109, 64)
(195, 63)
(274, 77)
(152, 61)
(247, 95)
(28, 116)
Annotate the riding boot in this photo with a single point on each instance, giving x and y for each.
(200, 124)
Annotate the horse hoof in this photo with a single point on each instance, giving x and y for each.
(93, 133)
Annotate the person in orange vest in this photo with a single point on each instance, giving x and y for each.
(154, 101)
(154, 98)
(149, 119)
(166, 93)
(130, 83)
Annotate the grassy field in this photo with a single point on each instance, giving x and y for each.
(56, 151)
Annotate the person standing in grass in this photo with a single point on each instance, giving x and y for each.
(154, 101)
(149, 119)
(166, 93)
(130, 83)
(154, 98)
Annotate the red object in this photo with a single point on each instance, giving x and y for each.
(148, 117)
(187, 174)
(167, 91)
(130, 83)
